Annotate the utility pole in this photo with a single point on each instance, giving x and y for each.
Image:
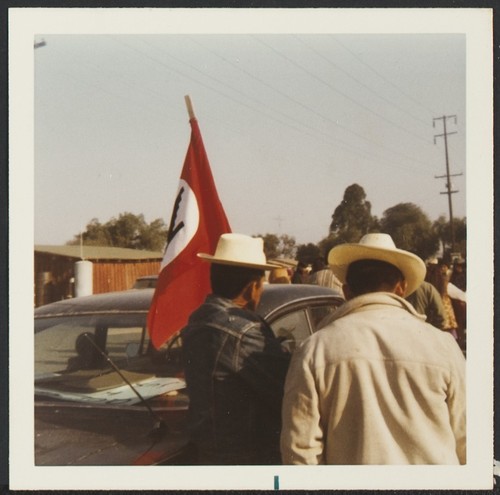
(448, 191)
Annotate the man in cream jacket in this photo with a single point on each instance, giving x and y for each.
(377, 385)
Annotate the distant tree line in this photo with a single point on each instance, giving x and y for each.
(127, 231)
(408, 225)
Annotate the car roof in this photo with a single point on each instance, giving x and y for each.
(133, 300)
(139, 300)
(276, 296)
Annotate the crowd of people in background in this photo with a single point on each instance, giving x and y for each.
(382, 382)
(441, 297)
(316, 273)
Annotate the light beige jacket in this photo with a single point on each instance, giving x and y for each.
(377, 385)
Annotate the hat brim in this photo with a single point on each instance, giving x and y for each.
(221, 261)
(410, 265)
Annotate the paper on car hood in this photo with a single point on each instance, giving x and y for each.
(123, 394)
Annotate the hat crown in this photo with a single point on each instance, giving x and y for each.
(381, 247)
(241, 250)
(378, 240)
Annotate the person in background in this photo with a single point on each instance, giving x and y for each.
(459, 274)
(377, 385)
(234, 366)
(279, 276)
(457, 292)
(321, 274)
(301, 273)
(427, 300)
(437, 275)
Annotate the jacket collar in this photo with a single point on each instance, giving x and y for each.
(374, 298)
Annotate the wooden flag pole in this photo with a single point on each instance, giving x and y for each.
(189, 107)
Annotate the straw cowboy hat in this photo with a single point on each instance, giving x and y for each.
(279, 275)
(379, 247)
(239, 250)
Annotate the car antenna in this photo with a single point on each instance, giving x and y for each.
(159, 426)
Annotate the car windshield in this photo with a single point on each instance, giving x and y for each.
(72, 343)
(76, 358)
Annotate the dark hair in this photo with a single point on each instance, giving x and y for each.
(365, 276)
(229, 280)
(318, 264)
(436, 277)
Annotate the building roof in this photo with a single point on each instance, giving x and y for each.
(99, 253)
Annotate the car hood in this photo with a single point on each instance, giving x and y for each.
(80, 434)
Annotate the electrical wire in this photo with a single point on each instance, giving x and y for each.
(338, 91)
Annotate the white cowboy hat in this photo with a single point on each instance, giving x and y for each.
(379, 247)
(239, 250)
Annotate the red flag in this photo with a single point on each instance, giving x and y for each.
(197, 222)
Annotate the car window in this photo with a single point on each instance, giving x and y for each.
(292, 328)
(69, 344)
(55, 347)
(319, 316)
(126, 343)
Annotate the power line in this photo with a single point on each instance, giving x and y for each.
(382, 76)
(309, 109)
(340, 92)
(361, 83)
(211, 88)
(245, 95)
(316, 133)
(346, 145)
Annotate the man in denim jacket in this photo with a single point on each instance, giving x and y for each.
(234, 366)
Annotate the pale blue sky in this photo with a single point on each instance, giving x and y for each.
(289, 121)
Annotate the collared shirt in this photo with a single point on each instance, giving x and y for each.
(326, 278)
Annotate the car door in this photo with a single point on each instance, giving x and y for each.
(295, 322)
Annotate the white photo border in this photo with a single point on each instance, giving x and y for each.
(475, 23)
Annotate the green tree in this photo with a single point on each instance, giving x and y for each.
(352, 218)
(307, 253)
(282, 246)
(411, 229)
(326, 244)
(127, 231)
(442, 228)
(288, 246)
(96, 234)
(271, 244)
(153, 236)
